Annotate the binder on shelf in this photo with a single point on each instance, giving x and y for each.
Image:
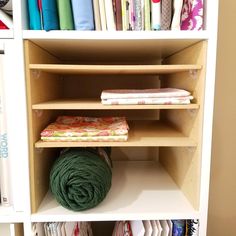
(34, 15)
(4, 159)
(50, 15)
(65, 15)
(6, 19)
(83, 14)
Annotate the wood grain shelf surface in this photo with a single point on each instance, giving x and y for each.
(140, 190)
(95, 104)
(112, 69)
(141, 133)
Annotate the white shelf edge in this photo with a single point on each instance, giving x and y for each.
(7, 34)
(127, 200)
(116, 35)
(9, 215)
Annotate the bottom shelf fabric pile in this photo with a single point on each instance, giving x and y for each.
(121, 228)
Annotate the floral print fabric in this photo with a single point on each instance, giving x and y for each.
(73, 127)
(192, 15)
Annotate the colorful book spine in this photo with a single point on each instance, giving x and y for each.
(83, 14)
(192, 15)
(65, 15)
(4, 159)
(156, 14)
(118, 15)
(50, 15)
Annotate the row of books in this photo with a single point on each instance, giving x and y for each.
(4, 158)
(115, 15)
(121, 228)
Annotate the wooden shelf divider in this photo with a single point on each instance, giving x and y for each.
(95, 104)
(141, 133)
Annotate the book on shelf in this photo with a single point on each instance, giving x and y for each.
(97, 18)
(110, 15)
(102, 14)
(83, 14)
(4, 158)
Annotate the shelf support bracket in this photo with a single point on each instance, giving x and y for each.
(39, 150)
(192, 112)
(38, 113)
(36, 73)
(193, 73)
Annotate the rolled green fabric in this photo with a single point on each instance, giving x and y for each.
(80, 178)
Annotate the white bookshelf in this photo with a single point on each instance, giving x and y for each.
(159, 193)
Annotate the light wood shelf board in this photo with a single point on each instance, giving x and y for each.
(155, 196)
(141, 133)
(95, 104)
(112, 69)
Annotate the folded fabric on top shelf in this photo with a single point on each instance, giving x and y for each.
(76, 128)
(146, 96)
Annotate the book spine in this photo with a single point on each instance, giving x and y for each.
(4, 169)
(110, 15)
(147, 15)
(103, 15)
(83, 14)
(138, 15)
(118, 15)
(34, 15)
(156, 14)
(97, 17)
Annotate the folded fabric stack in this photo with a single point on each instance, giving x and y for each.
(76, 128)
(146, 96)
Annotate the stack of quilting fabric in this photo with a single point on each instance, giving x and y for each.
(77, 128)
(146, 96)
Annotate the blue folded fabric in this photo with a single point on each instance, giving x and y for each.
(83, 14)
(34, 15)
(50, 15)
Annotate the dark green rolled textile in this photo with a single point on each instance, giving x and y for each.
(80, 179)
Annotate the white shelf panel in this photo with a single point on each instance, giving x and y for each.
(6, 34)
(7, 214)
(140, 190)
(73, 34)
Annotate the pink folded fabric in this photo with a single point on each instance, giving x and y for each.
(144, 93)
(192, 15)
